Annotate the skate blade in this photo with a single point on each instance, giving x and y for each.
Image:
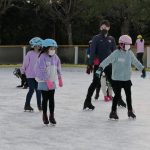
(45, 125)
(112, 119)
(96, 99)
(130, 118)
(52, 125)
(120, 106)
(87, 109)
(28, 110)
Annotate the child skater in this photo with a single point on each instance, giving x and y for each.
(121, 60)
(106, 88)
(48, 68)
(28, 69)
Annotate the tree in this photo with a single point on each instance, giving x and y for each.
(4, 5)
(64, 11)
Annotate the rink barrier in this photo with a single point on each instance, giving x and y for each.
(69, 54)
(63, 66)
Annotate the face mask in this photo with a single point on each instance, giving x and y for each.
(127, 47)
(51, 52)
(104, 31)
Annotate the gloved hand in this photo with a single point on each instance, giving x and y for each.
(60, 82)
(50, 84)
(89, 69)
(99, 72)
(143, 73)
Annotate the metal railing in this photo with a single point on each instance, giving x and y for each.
(69, 54)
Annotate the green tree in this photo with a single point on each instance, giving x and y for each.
(4, 5)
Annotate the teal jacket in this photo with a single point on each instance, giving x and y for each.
(121, 64)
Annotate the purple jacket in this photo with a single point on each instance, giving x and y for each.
(48, 68)
(28, 67)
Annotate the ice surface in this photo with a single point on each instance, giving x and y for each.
(76, 129)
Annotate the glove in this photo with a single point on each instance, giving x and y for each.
(96, 61)
(143, 73)
(99, 72)
(89, 69)
(60, 82)
(50, 84)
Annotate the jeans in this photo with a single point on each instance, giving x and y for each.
(32, 83)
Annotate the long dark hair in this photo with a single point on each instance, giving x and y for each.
(141, 39)
(44, 49)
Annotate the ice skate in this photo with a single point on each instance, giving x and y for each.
(25, 87)
(88, 105)
(45, 119)
(131, 114)
(52, 119)
(113, 115)
(110, 98)
(96, 96)
(28, 108)
(40, 108)
(121, 103)
(106, 98)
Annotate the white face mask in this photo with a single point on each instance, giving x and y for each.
(51, 52)
(127, 47)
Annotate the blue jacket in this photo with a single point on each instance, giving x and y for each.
(121, 64)
(101, 47)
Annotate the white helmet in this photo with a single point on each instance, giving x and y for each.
(125, 39)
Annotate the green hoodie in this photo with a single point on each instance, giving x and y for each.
(121, 64)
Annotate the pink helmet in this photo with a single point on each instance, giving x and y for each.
(125, 39)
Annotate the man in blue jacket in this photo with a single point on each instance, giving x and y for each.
(102, 46)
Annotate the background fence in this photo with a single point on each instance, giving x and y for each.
(69, 54)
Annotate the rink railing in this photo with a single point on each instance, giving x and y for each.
(69, 54)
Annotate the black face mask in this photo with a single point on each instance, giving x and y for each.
(104, 32)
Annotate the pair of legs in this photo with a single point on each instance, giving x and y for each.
(140, 57)
(48, 96)
(97, 89)
(95, 84)
(117, 86)
(32, 83)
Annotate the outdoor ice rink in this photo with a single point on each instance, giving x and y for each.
(75, 129)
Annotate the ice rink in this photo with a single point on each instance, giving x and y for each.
(75, 129)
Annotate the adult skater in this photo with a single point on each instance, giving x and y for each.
(121, 60)
(28, 69)
(48, 68)
(96, 63)
(102, 46)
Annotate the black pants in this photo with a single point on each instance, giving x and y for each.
(140, 57)
(96, 82)
(117, 86)
(99, 85)
(48, 96)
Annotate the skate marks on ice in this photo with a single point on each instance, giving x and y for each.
(75, 129)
